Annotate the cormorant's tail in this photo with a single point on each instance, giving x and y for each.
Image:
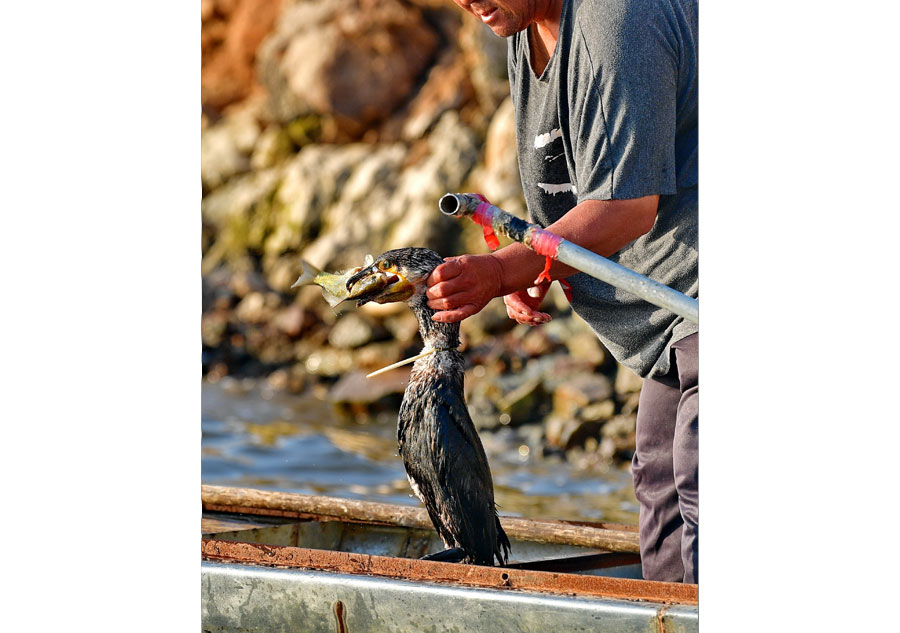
(501, 548)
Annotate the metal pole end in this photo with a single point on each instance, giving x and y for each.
(450, 204)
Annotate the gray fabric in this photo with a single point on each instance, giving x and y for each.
(614, 116)
(665, 468)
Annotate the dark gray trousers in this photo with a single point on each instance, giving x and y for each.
(665, 468)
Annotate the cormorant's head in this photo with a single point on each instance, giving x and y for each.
(396, 275)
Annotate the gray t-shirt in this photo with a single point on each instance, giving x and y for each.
(614, 116)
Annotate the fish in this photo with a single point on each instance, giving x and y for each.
(333, 285)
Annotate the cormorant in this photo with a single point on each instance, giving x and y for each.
(442, 453)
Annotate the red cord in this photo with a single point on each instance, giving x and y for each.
(545, 274)
(484, 216)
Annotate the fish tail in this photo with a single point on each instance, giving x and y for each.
(308, 274)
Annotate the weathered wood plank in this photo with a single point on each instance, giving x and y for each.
(221, 498)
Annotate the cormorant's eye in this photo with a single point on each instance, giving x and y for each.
(385, 264)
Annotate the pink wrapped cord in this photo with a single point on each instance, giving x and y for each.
(546, 244)
(484, 216)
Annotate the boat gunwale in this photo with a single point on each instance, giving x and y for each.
(558, 583)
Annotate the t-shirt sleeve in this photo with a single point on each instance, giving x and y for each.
(623, 104)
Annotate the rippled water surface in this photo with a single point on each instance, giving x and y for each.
(258, 438)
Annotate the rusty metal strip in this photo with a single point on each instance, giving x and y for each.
(465, 575)
(224, 499)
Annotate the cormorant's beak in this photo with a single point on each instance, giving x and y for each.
(381, 285)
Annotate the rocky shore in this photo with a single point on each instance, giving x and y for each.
(330, 129)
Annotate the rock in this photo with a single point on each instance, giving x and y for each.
(587, 347)
(619, 433)
(606, 449)
(273, 146)
(304, 130)
(335, 204)
(310, 298)
(311, 182)
(485, 55)
(291, 320)
(220, 158)
(537, 342)
(240, 213)
(216, 291)
(377, 355)
(630, 403)
(318, 193)
(225, 147)
(356, 388)
(487, 324)
(230, 32)
(329, 361)
(575, 394)
(245, 281)
(453, 151)
(522, 403)
(350, 331)
(354, 60)
(567, 433)
(598, 411)
(485, 415)
(381, 207)
(207, 7)
(497, 177)
(252, 308)
(323, 193)
(446, 88)
(287, 380)
(213, 328)
(403, 326)
(482, 392)
(271, 348)
(627, 381)
(562, 369)
(282, 272)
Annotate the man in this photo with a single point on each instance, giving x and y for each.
(605, 93)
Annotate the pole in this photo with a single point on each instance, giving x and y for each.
(543, 242)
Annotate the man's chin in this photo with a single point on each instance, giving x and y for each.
(504, 30)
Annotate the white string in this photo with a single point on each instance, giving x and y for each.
(401, 363)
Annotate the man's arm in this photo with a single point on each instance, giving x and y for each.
(462, 286)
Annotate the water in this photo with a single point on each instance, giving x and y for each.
(257, 438)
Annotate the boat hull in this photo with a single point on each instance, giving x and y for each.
(275, 561)
(239, 597)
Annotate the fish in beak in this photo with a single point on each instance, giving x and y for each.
(334, 286)
(381, 282)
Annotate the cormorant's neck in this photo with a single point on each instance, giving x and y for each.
(435, 334)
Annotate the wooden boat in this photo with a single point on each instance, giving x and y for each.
(275, 561)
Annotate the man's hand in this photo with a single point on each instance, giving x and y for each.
(462, 286)
(522, 306)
